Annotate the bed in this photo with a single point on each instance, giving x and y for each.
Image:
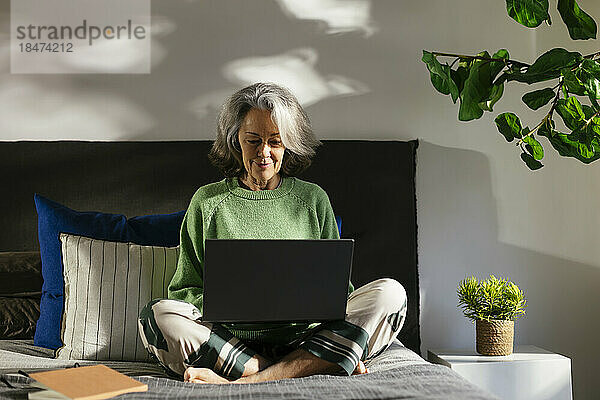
(377, 207)
(396, 373)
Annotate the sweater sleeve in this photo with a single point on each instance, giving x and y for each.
(329, 228)
(187, 283)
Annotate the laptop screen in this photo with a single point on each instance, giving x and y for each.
(248, 280)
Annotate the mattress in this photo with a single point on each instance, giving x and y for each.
(397, 373)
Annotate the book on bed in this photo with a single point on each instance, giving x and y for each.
(89, 383)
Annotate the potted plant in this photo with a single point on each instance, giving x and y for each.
(493, 305)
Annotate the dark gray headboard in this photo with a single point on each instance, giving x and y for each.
(370, 184)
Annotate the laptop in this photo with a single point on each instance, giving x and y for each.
(252, 280)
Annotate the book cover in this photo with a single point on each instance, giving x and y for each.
(86, 383)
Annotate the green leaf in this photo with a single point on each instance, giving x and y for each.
(529, 13)
(439, 83)
(534, 147)
(589, 76)
(571, 82)
(479, 92)
(587, 111)
(595, 126)
(509, 125)
(497, 66)
(496, 90)
(575, 136)
(469, 107)
(495, 95)
(547, 129)
(585, 150)
(547, 66)
(591, 85)
(503, 78)
(475, 90)
(569, 148)
(531, 162)
(440, 75)
(571, 112)
(591, 66)
(527, 77)
(538, 98)
(554, 60)
(579, 23)
(459, 77)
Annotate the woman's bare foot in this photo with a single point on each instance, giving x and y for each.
(360, 369)
(202, 375)
(207, 375)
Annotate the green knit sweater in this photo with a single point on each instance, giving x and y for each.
(224, 210)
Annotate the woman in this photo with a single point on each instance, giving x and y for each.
(264, 139)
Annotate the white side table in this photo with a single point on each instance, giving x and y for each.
(529, 373)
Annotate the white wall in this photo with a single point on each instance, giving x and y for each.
(480, 210)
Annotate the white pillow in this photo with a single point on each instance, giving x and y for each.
(106, 286)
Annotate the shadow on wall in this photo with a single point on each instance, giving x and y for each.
(57, 106)
(190, 74)
(458, 237)
(335, 16)
(295, 69)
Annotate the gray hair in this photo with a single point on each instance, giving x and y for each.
(286, 113)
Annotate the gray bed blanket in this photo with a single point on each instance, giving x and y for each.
(397, 373)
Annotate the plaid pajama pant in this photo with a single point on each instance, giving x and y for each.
(173, 331)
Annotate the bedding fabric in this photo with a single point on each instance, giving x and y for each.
(20, 290)
(20, 274)
(54, 218)
(106, 286)
(18, 316)
(397, 373)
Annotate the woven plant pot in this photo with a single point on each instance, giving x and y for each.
(495, 337)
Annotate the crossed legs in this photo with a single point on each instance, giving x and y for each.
(207, 353)
(297, 364)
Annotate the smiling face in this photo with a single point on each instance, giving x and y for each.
(262, 150)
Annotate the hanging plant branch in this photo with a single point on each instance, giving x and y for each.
(548, 116)
(478, 81)
(468, 57)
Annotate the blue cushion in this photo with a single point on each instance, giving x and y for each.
(53, 218)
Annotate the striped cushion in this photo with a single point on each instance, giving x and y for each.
(106, 286)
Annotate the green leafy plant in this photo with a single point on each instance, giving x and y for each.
(478, 81)
(490, 299)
